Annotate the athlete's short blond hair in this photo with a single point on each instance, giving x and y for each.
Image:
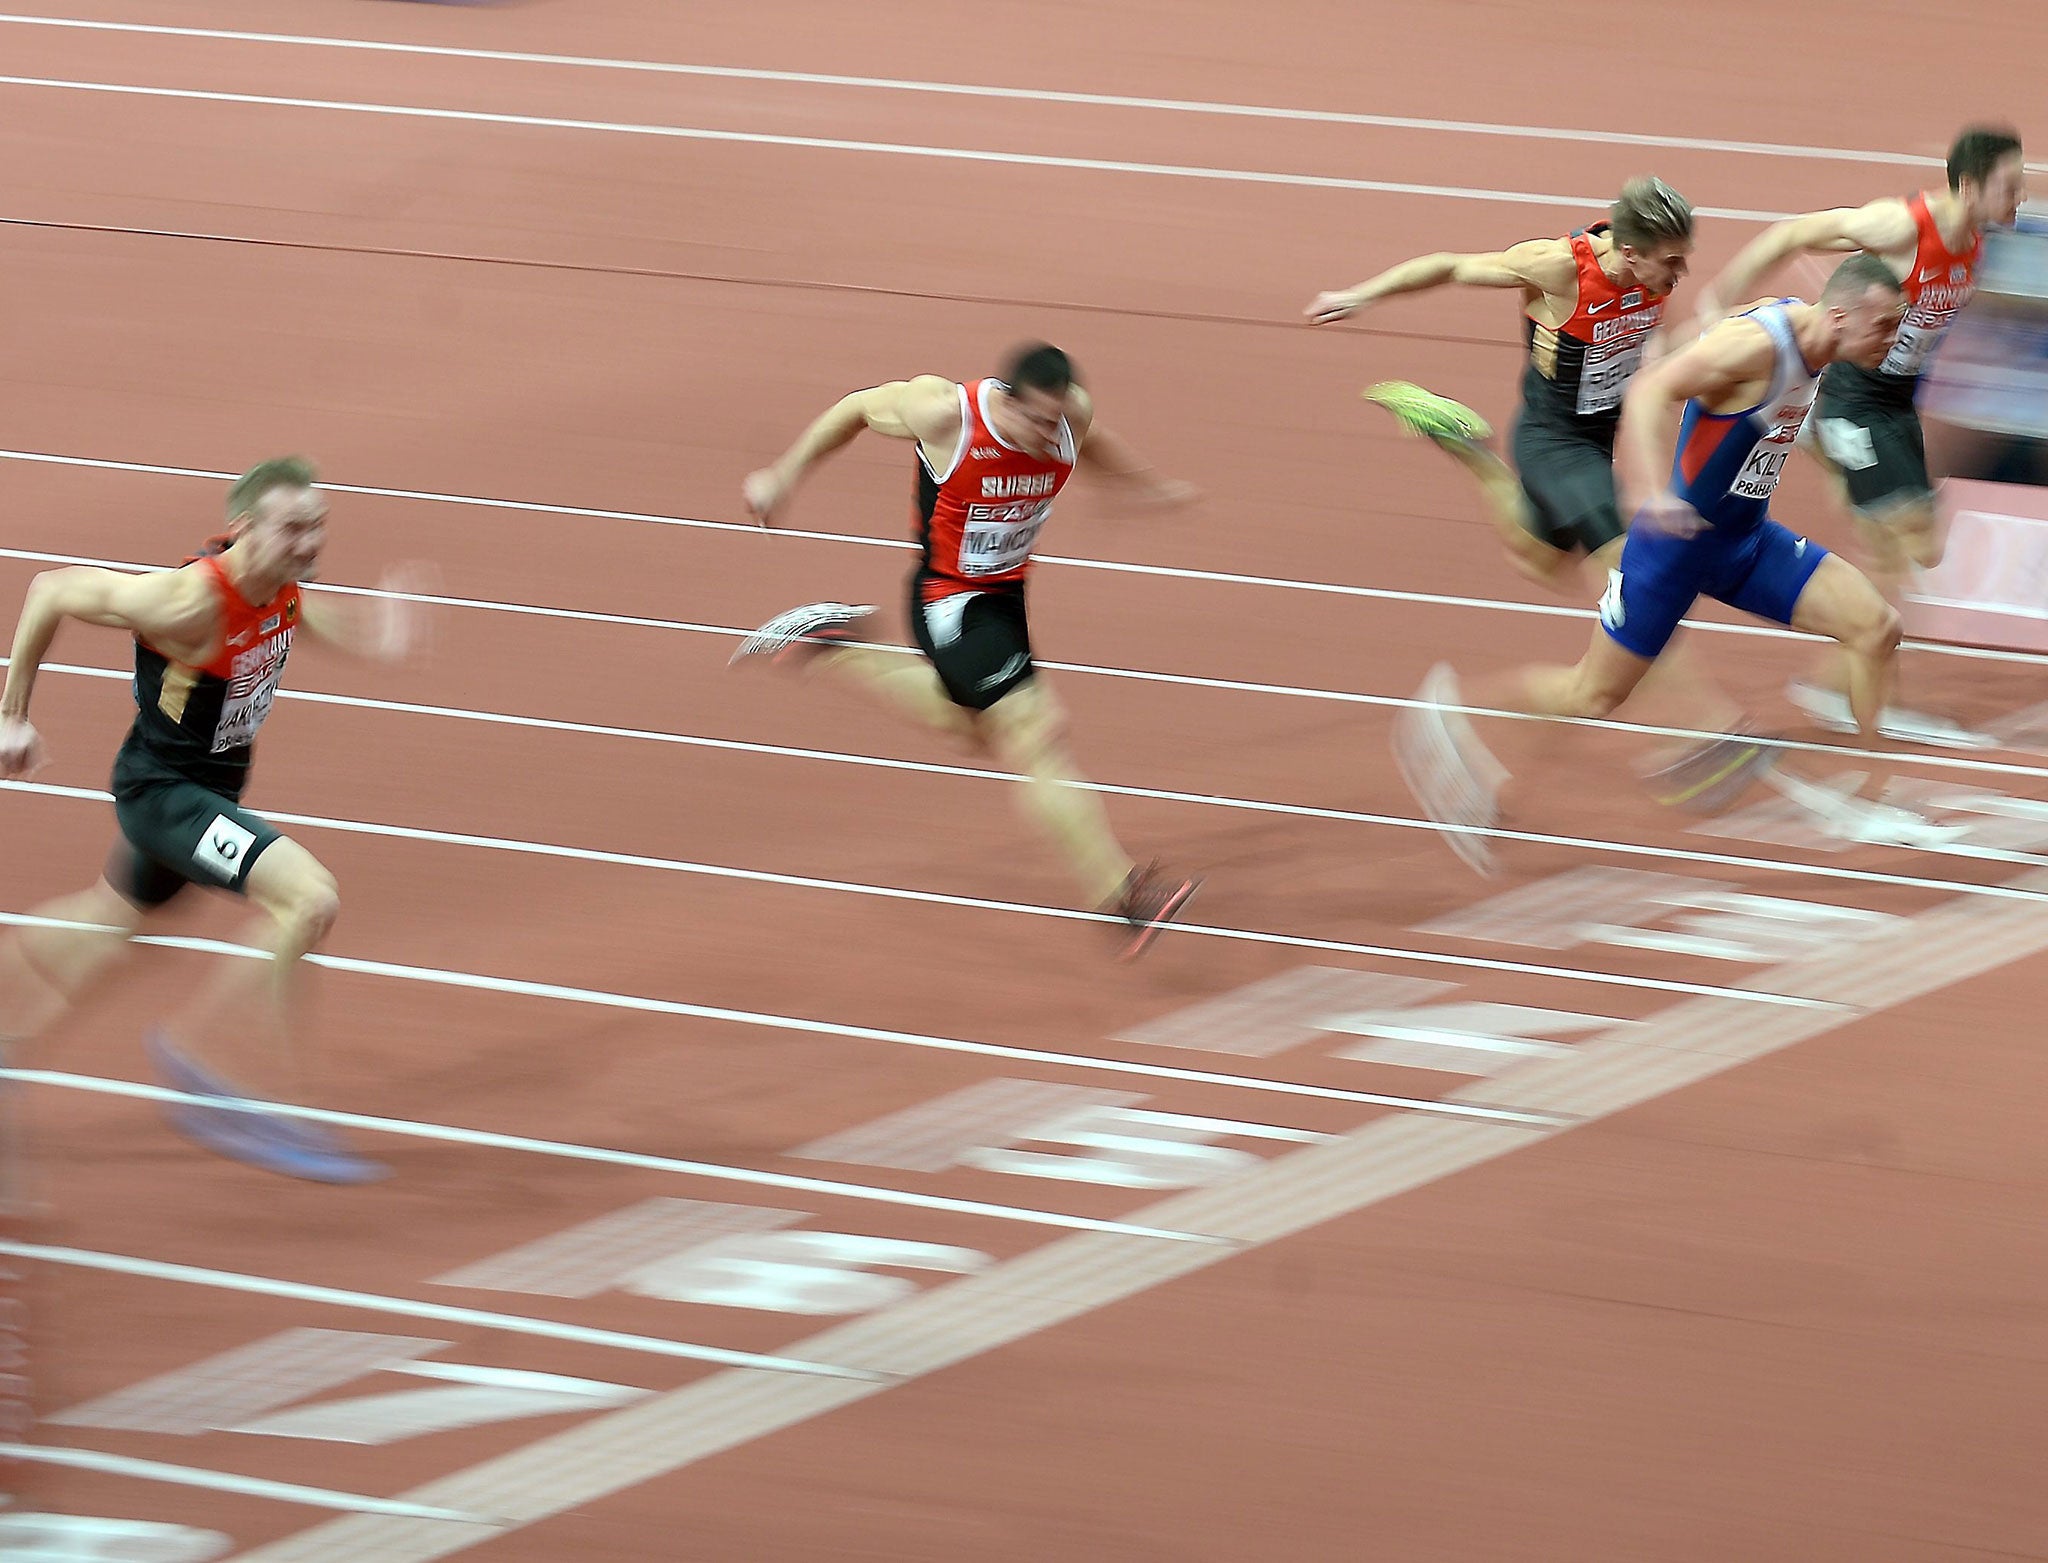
(1648, 212)
(247, 491)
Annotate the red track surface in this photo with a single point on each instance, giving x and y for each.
(1790, 1312)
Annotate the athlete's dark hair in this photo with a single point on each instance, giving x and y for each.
(1039, 366)
(1977, 151)
(248, 490)
(1647, 213)
(1855, 277)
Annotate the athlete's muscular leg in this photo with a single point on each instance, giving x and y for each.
(1509, 511)
(300, 902)
(907, 685)
(1841, 603)
(1026, 731)
(1676, 691)
(43, 971)
(1591, 687)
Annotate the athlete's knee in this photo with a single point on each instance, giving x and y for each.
(1872, 629)
(307, 908)
(1026, 726)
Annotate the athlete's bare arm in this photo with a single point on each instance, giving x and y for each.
(1883, 227)
(1727, 368)
(387, 628)
(925, 409)
(1542, 268)
(173, 610)
(1109, 455)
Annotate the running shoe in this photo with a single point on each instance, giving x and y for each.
(1711, 774)
(1829, 708)
(813, 625)
(1428, 415)
(1150, 899)
(1451, 773)
(246, 1130)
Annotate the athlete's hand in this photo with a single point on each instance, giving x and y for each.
(1326, 307)
(21, 749)
(398, 631)
(764, 490)
(1672, 516)
(1170, 494)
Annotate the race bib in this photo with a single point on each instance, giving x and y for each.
(1759, 476)
(1915, 345)
(1604, 377)
(251, 688)
(997, 539)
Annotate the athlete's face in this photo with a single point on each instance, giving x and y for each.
(1869, 326)
(285, 533)
(1996, 202)
(1032, 417)
(1660, 269)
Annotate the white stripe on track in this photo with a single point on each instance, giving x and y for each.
(1464, 127)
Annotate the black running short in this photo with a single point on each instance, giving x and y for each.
(175, 832)
(1569, 478)
(976, 637)
(1869, 431)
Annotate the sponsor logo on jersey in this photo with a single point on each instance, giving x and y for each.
(1635, 322)
(1632, 298)
(1021, 485)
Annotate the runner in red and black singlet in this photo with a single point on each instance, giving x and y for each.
(979, 515)
(1591, 303)
(993, 456)
(211, 640)
(1865, 425)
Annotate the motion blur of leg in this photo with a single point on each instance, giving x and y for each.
(45, 970)
(250, 1010)
(999, 707)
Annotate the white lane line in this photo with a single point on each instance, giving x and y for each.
(1073, 1277)
(883, 148)
(441, 1313)
(451, 1134)
(480, 982)
(1015, 94)
(221, 1481)
(1157, 571)
(1071, 914)
(1834, 751)
(1594, 844)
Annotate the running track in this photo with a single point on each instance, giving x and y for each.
(1674, 1196)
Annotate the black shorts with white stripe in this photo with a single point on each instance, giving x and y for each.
(975, 637)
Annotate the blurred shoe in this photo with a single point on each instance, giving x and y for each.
(1435, 418)
(1452, 775)
(246, 1130)
(811, 627)
(1829, 708)
(1710, 775)
(1150, 899)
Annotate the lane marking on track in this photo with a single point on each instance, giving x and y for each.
(473, 1318)
(877, 148)
(1015, 94)
(1073, 1277)
(854, 539)
(221, 1481)
(1191, 929)
(480, 982)
(451, 1134)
